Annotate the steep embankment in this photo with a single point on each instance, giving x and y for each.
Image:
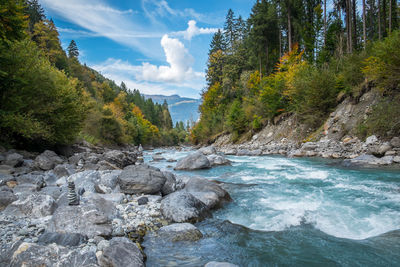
(336, 139)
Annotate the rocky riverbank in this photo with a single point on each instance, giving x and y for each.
(354, 152)
(120, 200)
(336, 139)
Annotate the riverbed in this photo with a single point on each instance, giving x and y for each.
(291, 211)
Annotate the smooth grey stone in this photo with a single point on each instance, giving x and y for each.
(182, 206)
(121, 253)
(62, 239)
(170, 183)
(194, 161)
(207, 192)
(141, 179)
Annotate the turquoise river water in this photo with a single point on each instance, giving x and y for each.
(292, 212)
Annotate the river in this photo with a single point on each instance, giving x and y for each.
(292, 212)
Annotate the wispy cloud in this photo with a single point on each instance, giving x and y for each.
(102, 20)
(192, 30)
(160, 8)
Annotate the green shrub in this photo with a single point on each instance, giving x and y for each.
(384, 119)
(384, 67)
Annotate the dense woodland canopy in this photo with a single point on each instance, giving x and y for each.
(48, 97)
(294, 57)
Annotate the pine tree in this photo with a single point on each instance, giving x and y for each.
(73, 49)
(230, 29)
(35, 13)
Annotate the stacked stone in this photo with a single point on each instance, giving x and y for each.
(73, 199)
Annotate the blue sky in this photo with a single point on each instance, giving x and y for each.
(156, 46)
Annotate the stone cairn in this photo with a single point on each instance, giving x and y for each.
(73, 199)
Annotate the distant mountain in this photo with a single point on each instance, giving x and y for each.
(181, 108)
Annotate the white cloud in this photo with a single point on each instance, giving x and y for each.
(179, 60)
(164, 79)
(122, 71)
(192, 30)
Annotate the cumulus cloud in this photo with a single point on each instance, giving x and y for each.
(192, 30)
(179, 60)
(158, 79)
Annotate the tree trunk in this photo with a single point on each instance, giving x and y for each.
(379, 20)
(354, 26)
(324, 22)
(364, 26)
(289, 30)
(348, 26)
(390, 16)
(384, 17)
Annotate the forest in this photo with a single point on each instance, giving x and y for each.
(47, 97)
(298, 57)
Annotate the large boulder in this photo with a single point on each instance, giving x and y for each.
(6, 198)
(86, 219)
(14, 160)
(217, 160)
(47, 160)
(35, 178)
(367, 160)
(208, 192)
(169, 185)
(141, 179)
(31, 254)
(181, 206)
(62, 170)
(120, 158)
(180, 232)
(5, 178)
(243, 152)
(395, 142)
(194, 161)
(62, 239)
(34, 206)
(121, 252)
(86, 180)
(208, 150)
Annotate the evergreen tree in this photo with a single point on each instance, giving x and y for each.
(230, 33)
(73, 49)
(35, 13)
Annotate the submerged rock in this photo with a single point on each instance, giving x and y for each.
(180, 232)
(181, 206)
(194, 161)
(220, 264)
